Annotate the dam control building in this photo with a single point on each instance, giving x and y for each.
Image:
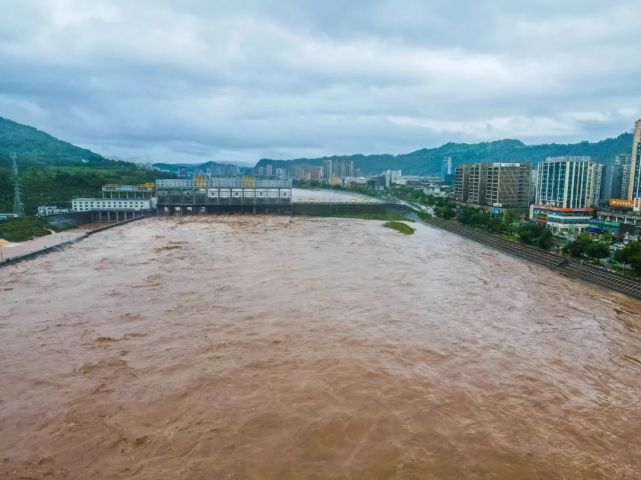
(224, 195)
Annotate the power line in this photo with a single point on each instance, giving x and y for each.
(18, 206)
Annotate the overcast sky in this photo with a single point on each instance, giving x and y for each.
(198, 80)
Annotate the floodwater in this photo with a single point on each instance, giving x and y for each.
(330, 196)
(279, 348)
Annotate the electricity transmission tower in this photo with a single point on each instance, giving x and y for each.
(18, 206)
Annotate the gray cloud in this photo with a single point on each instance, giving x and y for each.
(235, 81)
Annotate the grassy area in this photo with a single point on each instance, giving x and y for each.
(400, 227)
(510, 236)
(24, 228)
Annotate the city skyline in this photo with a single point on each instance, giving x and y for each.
(198, 81)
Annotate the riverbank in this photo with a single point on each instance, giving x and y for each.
(563, 265)
(11, 253)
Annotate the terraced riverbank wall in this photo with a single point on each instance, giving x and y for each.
(566, 266)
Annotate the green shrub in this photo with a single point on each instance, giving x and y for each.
(24, 228)
(400, 227)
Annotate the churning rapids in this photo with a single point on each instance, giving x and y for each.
(280, 348)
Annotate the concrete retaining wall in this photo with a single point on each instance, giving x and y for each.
(69, 220)
(60, 246)
(563, 265)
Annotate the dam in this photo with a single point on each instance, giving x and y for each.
(224, 195)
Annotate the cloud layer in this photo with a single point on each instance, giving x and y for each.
(196, 80)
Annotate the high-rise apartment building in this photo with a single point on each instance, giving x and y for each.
(566, 182)
(624, 160)
(462, 182)
(599, 170)
(493, 184)
(446, 167)
(508, 184)
(477, 183)
(614, 179)
(634, 182)
(328, 169)
(338, 168)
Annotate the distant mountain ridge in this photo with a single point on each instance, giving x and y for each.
(427, 161)
(196, 168)
(35, 147)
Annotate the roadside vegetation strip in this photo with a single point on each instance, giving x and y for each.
(400, 227)
(21, 229)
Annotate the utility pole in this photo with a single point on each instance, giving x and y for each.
(18, 206)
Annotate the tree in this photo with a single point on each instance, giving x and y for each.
(546, 239)
(630, 255)
(445, 211)
(579, 247)
(536, 234)
(598, 250)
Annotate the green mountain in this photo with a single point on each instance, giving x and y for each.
(53, 171)
(427, 161)
(34, 147)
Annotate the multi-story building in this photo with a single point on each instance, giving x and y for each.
(394, 176)
(568, 222)
(343, 168)
(446, 167)
(634, 182)
(118, 202)
(508, 184)
(597, 182)
(316, 173)
(328, 169)
(504, 185)
(613, 183)
(48, 210)
(462, 183)
(566, 182)
(625, 174)
(223, 170)
(477, 183)
(110, 204)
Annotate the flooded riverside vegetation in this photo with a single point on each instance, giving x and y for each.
(306, 348)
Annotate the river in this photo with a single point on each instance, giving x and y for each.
(289, 348)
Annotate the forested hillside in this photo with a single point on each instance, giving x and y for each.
(53, 171)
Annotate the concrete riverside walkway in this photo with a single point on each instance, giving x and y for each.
(24, 250)
(13, 250)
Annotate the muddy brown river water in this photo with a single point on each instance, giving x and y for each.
(278, 348)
